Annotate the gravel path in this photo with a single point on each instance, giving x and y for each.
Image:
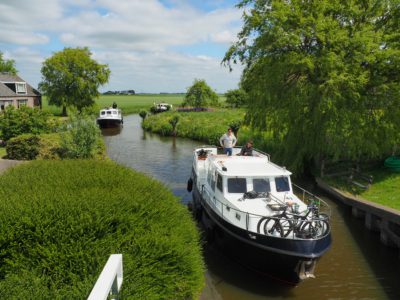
(6, 163)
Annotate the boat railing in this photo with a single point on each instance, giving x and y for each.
(311, 199)
(109, 283)
(236, 150)
(285, 223)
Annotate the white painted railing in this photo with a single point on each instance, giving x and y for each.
(110, 279)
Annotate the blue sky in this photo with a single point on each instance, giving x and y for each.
(150, 46)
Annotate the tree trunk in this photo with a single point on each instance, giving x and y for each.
(64, 111)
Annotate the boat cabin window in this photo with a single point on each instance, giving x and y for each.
(211, 178)
(114, 112)
(282, 184)
(219, 182)
(261, 185)
(108, 112)
(103, 113)
(237, 185)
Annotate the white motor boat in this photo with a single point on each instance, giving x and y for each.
(110, 117)
(248, 206)
(161, 107)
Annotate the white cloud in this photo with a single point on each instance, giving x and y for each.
(136, 38)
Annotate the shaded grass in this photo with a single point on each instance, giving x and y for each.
(60, 221)
(384, 190)
(129, 103)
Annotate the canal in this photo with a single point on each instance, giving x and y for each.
(356, 267)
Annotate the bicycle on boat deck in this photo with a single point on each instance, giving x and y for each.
(306, 225)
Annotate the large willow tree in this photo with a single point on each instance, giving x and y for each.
(323, 76)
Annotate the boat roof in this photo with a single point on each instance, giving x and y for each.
(247, 166)
(109, 108)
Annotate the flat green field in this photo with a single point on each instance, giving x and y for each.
(130, 103)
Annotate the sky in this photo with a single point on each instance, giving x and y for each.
(150, 46)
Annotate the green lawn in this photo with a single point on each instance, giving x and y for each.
(130, 103)
(384, 189)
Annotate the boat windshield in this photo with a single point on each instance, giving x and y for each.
(282, 184)
(237, 185)
(261, 185)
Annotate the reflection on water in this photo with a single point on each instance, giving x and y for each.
(356, 267)
(111, 131)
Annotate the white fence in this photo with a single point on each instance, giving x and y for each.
(110, 279)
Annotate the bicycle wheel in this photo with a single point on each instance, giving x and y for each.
(315, 228)
(259, 224)
(281, 226)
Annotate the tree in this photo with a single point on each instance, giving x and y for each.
(322, 75)
(72, 78)
(200, 95)
(236, 98)
(7, 66)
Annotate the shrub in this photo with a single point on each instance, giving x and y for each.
(143, 114)
(14, 122)
(49, 146)
(80, 137)
(60, 221)
(23, 147)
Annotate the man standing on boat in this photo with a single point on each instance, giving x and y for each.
(228, 141)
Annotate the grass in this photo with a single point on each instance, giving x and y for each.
(384, 190)
(2, 152)
(129, 103)
(202, 126)
(58, 229)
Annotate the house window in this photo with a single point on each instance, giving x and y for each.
(4, 104)
(22, 102)
(20, 88)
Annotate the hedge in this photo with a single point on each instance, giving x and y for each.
(45, 146)
(60, 221)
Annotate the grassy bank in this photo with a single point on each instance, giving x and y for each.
(202, 126)
(60, 220)
(129, 103)
(384, 190)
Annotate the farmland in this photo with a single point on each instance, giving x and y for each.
(130, 103)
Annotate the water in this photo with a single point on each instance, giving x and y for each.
(356, 267)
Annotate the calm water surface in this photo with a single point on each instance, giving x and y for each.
(356, 267)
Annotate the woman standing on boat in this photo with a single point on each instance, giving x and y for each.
(228, 141)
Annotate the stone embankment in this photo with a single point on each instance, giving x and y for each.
(377, 217)
(6, 164)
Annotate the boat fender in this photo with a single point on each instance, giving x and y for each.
(189, 185)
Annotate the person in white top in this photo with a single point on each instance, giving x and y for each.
(228, 141)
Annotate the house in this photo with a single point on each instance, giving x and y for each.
(15, 91)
